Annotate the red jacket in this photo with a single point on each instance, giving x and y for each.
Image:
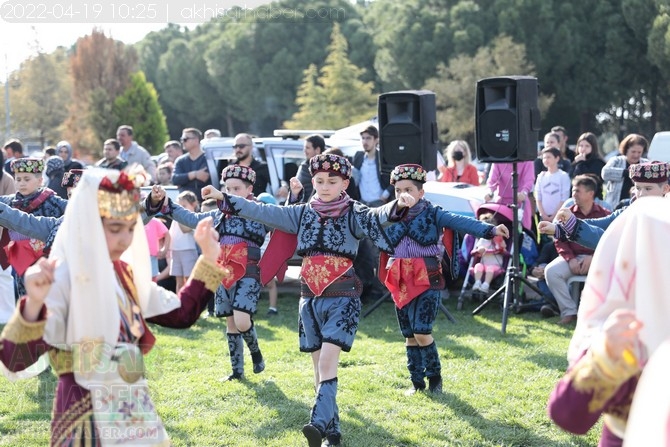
(450, 174)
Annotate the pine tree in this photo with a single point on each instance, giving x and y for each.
(138, 106)
(338, 97)
(311, 102)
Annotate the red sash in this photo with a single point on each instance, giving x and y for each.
(406, 279)
(233, 259)
(22, 254)
(319, 272)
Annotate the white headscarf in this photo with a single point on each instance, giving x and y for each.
(629, 271)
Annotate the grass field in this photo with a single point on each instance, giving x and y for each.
(495, 386)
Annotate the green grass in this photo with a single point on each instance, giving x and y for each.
(495, 386)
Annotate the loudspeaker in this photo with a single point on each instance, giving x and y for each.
(407, 129)
(507, 119)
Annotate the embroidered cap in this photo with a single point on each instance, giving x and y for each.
(31, 165)
(238, 171)
(119, 197)
(408, 172)
(71, 178)
(654, 172)
(336, 164)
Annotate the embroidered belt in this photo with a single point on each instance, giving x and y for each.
(320, 271)
(407, 278)
(236, 259)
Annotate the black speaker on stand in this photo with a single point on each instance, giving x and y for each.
(407, 129)
(507, 121)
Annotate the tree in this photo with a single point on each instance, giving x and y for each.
(101, 68)
(455, 85)
(311, 102)
(138, 105)
(40, 96)
(339, 97)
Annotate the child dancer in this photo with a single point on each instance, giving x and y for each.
(30, 197)
(88, 310)
(240, 240)
(414, 274)
(328, 230)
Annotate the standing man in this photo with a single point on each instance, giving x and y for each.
(243, 148)
(133, 152)
(13, 150)
(314, 145)
(566, 152)
(190, 170)
(374, 190)
(110, 153)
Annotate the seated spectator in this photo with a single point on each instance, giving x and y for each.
(164, 174)
(573, 259)
(459, 164)
(489, 257)
(615, 172)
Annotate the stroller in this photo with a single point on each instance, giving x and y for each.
(503, 215)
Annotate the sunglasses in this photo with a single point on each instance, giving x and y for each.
(239, 146)
(185, 139)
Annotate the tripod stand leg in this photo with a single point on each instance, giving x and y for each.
(493, 296)
(446, 313)
(377, 303)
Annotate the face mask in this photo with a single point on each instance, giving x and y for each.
(458, 156)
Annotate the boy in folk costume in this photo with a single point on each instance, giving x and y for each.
(30, 197)
(328, 230)
(413, 273)
(240, 240)
(41, 228)
(87, 309)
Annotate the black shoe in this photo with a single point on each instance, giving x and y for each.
(332, 440)
(234, 376)
(416, 387)
(549, 311)
(313, 435)
(435, 384)
(259, 367)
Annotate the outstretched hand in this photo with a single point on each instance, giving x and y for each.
(501, 230)
(157, 195)
(38, 279)
(545, 227)
(207, 238)
(210, 192)
(295, 186)
(563, 215)
(622, 331)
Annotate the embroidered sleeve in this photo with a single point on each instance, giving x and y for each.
(208, 273)
(19, 331)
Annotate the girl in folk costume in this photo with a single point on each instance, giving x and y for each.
(328, 230)
(623, 319)
(413, 273)
(240, 240)
(87, 309)
(30, 197)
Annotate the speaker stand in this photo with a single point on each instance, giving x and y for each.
(513, 276)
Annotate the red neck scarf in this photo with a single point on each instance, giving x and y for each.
(334, 208)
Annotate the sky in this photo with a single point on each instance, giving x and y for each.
(25, 27)
(18, 42)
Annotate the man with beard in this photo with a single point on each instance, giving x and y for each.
(243, 148)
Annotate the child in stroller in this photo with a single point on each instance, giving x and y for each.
(488, 258)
